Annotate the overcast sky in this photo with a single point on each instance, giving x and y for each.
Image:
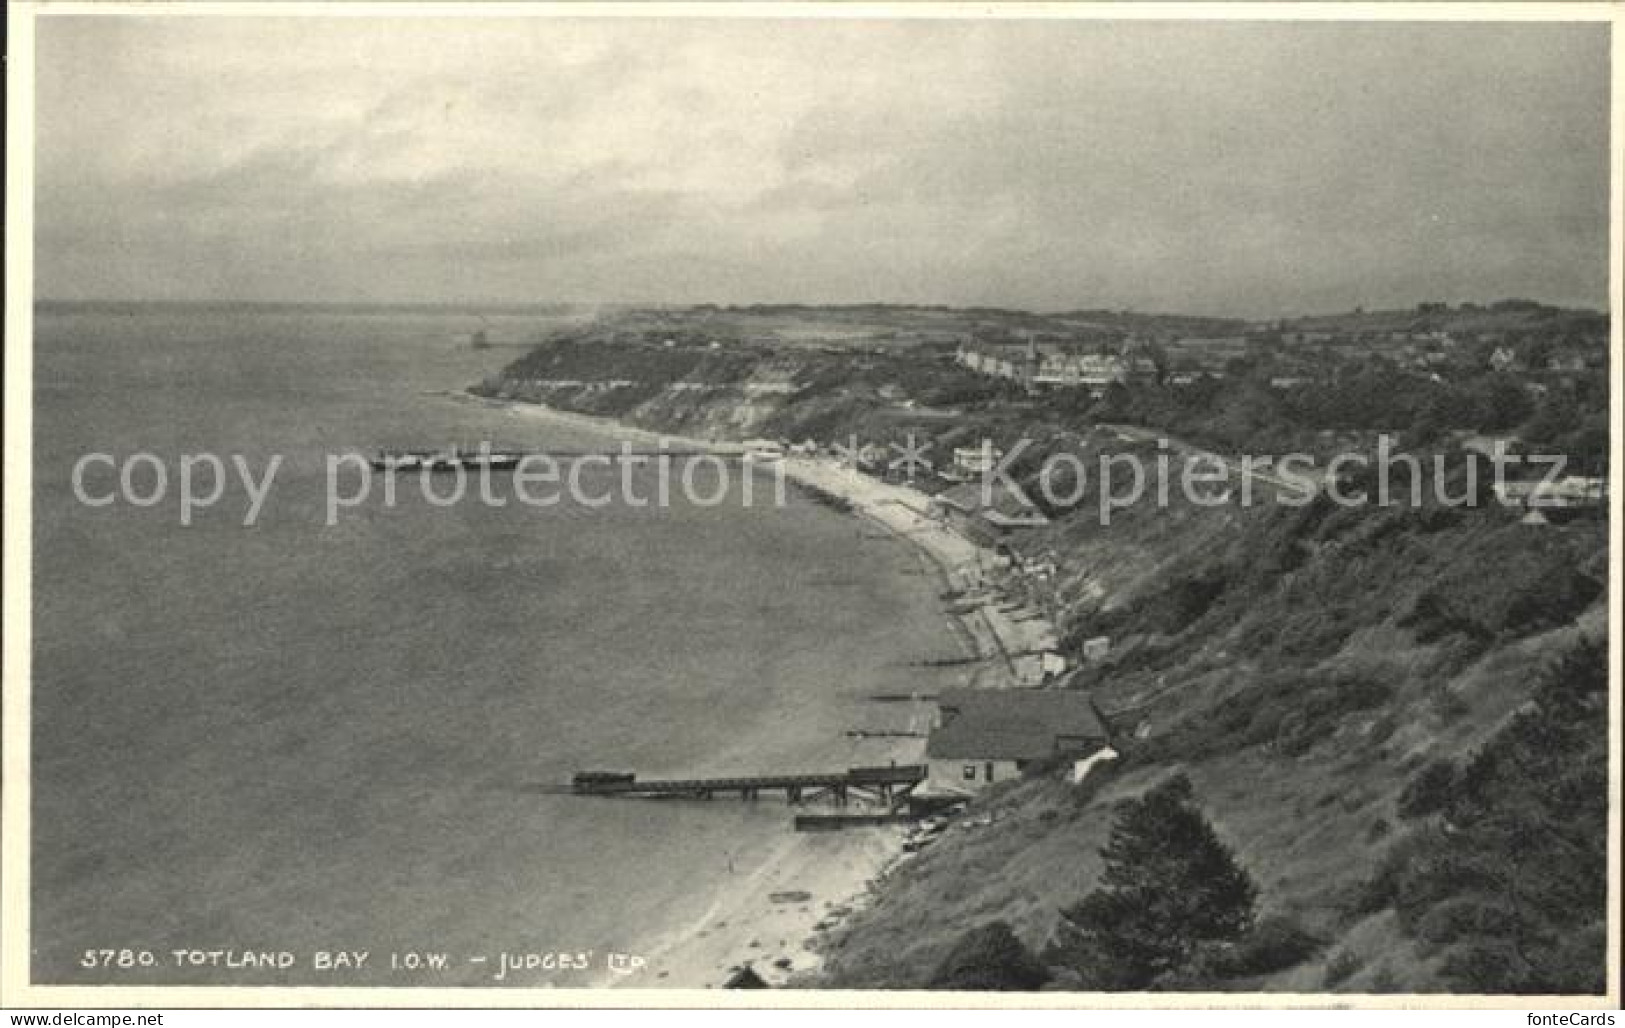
(1247, 169)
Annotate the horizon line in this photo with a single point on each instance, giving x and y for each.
(505, 306)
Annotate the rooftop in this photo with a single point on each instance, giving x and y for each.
(1008, 506)
(1014, 724)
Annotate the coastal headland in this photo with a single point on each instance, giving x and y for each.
(1324, 676)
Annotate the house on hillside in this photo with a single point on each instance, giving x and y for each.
(1055, 364)
(869, 457)
(980, 510)
(1000, 360)
(1503, 358)
(1566, 495)
(1033, 669)
(976, 461)
(1096, 649)
(985, 736)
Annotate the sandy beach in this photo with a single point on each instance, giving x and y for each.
(771, 919)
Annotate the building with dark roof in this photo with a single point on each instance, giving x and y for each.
(993, 735)
(987, 513)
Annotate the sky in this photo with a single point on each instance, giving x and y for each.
(1243, 168)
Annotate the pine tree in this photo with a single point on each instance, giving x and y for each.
(1169, 888)
(1528, 842)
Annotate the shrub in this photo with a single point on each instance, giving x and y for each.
(1186, 599)
(1428, 790)
(1340, 968)
(1513, 874)
(1302, 635)
(1322, 708)
(1463, 916)
(1382, 729)
(1291, 712)
(1486, 966)
(989, 959)
(1276, 943)
(1524, 591)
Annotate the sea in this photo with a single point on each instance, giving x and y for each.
(255, 748)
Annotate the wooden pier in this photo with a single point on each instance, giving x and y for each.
(838, 822)
(881, 784)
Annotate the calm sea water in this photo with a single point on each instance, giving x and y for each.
(302, 738)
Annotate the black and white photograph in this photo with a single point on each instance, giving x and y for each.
(1103, 505)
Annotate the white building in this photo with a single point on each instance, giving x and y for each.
(993, 735)
(976, 460)
(1569, 491)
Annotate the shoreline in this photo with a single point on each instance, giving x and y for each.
(811, 881)
(996, 640)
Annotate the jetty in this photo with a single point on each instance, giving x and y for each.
(880, 784)
(508, 459)
(838, 822)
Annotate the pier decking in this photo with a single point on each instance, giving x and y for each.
(837, 822)
(884, 784)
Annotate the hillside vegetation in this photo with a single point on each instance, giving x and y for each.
(1314, 724)
(1391, 721)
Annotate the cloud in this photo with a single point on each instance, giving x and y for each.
(1245, 168)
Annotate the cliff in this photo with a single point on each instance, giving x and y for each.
(1344, 686)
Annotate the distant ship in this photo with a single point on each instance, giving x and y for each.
(445, 460)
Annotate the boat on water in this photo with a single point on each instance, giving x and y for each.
(446, 460)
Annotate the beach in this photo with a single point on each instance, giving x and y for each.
(771, 920)
(302, 736)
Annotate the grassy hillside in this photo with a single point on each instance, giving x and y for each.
(1303, 695)
(1394, 717)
